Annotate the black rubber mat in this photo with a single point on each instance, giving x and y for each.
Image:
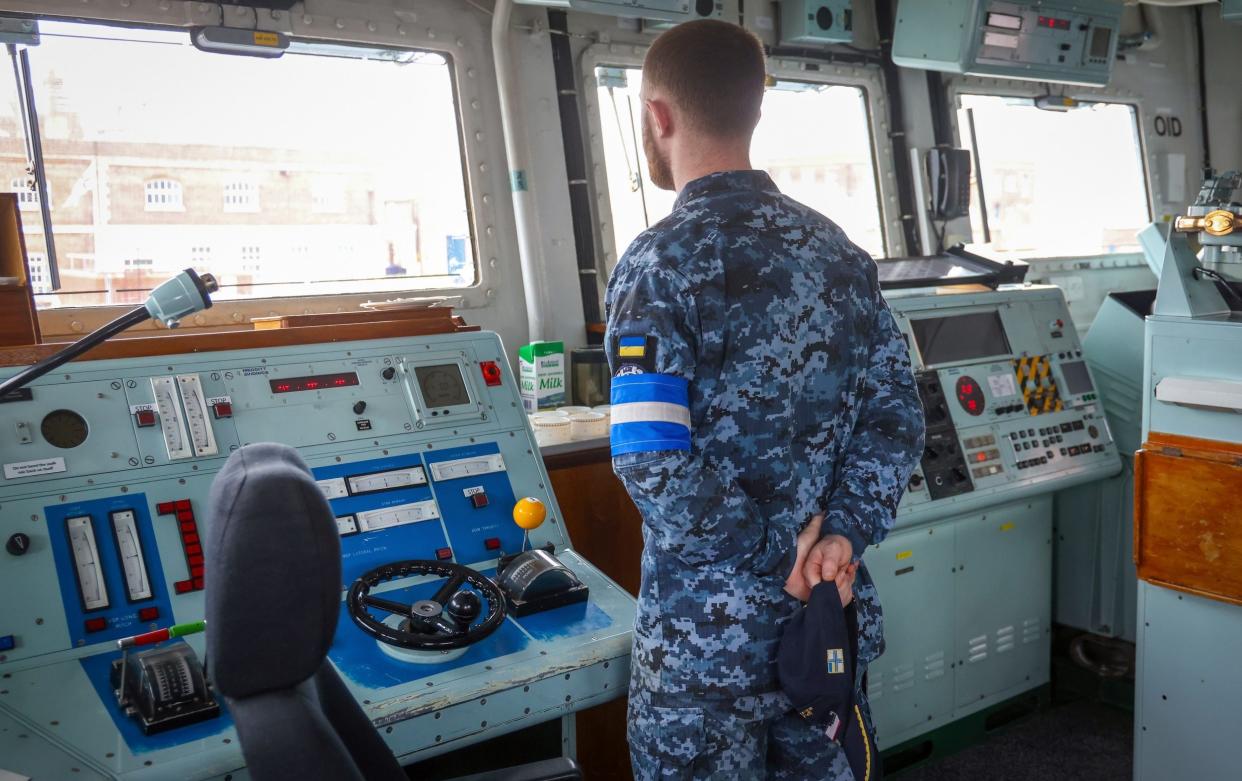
(1080, 741)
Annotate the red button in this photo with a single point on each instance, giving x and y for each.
(195, 561)
(96, 624)
(145, 418)
(192, 549)
(444, 553)
(189, 538)
(198, 584)
(185, 515)
(491, 373)
(479, 499)
(183, 504)
(148, 614)
(188, 528)
(492, 543)
(165, 508)
(222, 409)
(196, 572)
(182, 586)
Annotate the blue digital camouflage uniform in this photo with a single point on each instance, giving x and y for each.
(759, 378)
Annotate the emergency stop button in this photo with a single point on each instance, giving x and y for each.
(145, 418)
(222, 409)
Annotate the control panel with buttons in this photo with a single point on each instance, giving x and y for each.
(419, 446)
(1010, 406)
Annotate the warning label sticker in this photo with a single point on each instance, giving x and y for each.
(43, 466)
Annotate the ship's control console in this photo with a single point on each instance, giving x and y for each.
(1010, 405)
(1012, 415)
(465, 611)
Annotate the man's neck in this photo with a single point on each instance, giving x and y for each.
(703, 160)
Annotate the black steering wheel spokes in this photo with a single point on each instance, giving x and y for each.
(443, 622)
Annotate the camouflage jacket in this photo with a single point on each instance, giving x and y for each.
(759, 378)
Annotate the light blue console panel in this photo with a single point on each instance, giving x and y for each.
(1188, 681)
(402, 435)
(1013, 415)
(1064, 41)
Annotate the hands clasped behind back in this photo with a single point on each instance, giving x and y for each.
(830, 558)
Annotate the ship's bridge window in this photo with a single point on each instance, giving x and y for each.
(162, 156)
(813, 139)
(1055, 183)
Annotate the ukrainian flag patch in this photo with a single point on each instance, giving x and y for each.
(632, 347)
(836, 661)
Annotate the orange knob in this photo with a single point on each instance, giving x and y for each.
(529, 513)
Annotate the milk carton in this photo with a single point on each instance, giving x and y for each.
(541, 368)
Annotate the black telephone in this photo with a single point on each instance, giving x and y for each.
(948, 177)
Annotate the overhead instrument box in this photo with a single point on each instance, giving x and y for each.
(816, 21)
(1066, 42)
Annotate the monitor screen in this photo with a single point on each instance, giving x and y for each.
(442, 385)
(957, 338)
(1077, 379)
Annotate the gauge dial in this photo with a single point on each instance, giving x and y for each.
(64, 428)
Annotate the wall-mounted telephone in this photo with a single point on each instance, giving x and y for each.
(948, 182)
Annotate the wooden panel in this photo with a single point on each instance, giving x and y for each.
(606, 528)
(440, 318)
(602, 522)
(1188, 517)
(226, 340)
(19, 323)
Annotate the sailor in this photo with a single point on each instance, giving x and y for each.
(765, 422)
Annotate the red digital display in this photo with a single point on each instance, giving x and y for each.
(1054, 23)
(315, 382)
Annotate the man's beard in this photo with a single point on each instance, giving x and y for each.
(657, 164)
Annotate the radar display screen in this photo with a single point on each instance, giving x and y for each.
(442, 385)
(1077, 378)
(957, 338)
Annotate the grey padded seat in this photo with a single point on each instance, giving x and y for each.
(273, 598)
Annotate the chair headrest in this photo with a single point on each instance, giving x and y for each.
(273, 572)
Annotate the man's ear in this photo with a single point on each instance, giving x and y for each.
(661, 117)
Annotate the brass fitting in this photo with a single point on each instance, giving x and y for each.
(1215, 223)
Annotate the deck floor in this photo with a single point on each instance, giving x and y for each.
(1082, 741)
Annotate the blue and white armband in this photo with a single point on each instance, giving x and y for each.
(650, 412)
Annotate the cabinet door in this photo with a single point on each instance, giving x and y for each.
(912, 682)
(1003, 559)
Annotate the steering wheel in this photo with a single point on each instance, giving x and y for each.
(437, 624)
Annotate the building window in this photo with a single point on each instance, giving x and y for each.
(241, 197)
(164, 195)
(27, 196)
(200, 258)
(40, 279)
(139, 263)
(250, 259)
(1033, 164)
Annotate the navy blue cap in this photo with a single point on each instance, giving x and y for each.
(816, 666)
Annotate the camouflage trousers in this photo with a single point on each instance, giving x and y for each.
(749, 738)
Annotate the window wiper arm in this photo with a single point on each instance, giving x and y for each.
(34, 152)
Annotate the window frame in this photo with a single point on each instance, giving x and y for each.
(466, 50)
(875, 99)
(1009, 88)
